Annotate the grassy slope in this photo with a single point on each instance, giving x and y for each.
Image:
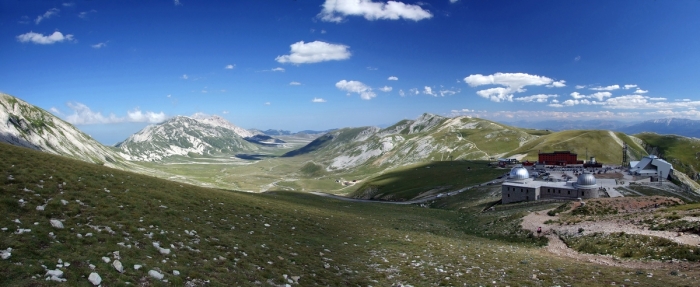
(599, 144)
(408, 182)
(243, 238)
(682, 152)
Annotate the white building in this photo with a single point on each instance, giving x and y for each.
(651, 166)
(520, 187)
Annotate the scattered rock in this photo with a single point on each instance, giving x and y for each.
(106, 259)
(64, 202)
(5, 254)
(137, 267)
(55, 275)
(41, 207)
(176, 273)
(118, 265)
(56, 223)
(156, 274)
(95, 279)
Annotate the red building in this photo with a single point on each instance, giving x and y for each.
(559, 158)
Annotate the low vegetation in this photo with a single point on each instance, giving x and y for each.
(634, 246)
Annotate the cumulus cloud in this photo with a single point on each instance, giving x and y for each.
(278, 69)
(541, 98)
(37, 38)
(401, 93)
(83, 115)
(608, 88)
(392, 78)
(99, 45)
(370, 68)
(577, 58)
(295, 84)
(267, 103)
(512, 82)
(578, 87)
(68, 4)
(229, 67)
(448, 92)
(357, 87)
(318, 100)
(314, 52)
(627, 87)
(48, 14)
(428, 91)
(640, 91)
(386, 89)
(557, 84)
(336, 10)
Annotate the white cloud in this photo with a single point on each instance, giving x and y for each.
(225, 112)
(314, 52)
(184, 77)
(577, 95)
(600, 95)
(644, 102)
(608, 88)
(557, 84)
(640, 91)
(318, 100)
(55, 111)
(37, 38)
(46, 15)
(370, 68)
(386, 89)
(336, 10)
(84, 14)
(83, 115)
(513, 82)
(229, 67)
(295, 84)
(414, 91)
(392, 78)
(401, 93)
(68, 4)
(99, 45)
(429, 91)
(627, 87)
(541, 98)
(323, 31)
(578, 87)
(357, 87)
(278, 69)
(137, 116)
(658, 99)
(177, 2)
(267, 103)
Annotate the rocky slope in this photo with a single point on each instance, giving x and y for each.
(26, 125)
(429, 137)
(183, 136)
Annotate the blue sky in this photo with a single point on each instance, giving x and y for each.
(112, 67)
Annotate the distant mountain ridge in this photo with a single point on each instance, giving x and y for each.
(182, 135)
(29, 126)
(668, 126)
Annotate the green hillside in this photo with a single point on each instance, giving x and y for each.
(409, 182)
(605, 146)
(227, 238)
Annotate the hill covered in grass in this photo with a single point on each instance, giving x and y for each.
(682, 152)
(199, 236)
(605, 146)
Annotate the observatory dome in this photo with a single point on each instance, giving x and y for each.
(518, 173)
(586, 180)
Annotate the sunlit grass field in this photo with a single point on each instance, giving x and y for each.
(229, 238)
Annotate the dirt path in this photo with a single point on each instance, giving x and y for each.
(557, 247)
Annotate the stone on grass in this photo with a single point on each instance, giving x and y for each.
(56, 223)
(176, 273)
(54, 275)
(95, 278)
(5, 254)
(137, 267)
(41, 207)
(106, 259)
(118, 265)
(156, 274)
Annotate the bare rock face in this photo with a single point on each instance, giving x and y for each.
(95, 279)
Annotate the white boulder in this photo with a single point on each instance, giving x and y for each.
(156, 274)
(56, 223)
(95, 279)
(5, 254)
(118, 265)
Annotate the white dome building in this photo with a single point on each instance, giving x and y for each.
(520, 187)
(518, 174)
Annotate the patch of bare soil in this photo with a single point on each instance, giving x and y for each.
(633, 210)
